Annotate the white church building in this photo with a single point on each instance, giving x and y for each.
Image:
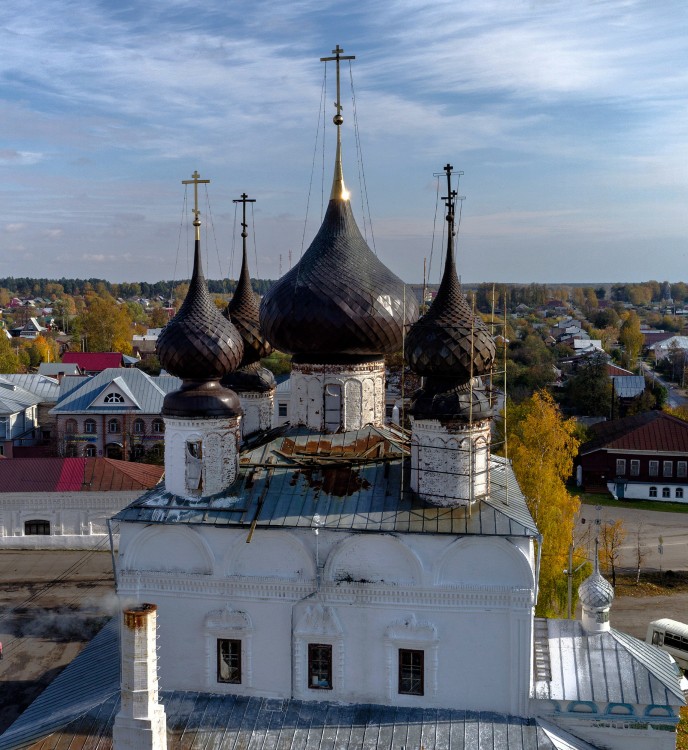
(336, 583)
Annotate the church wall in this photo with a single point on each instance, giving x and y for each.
(364, 595)
(257, 410)
(78, 520)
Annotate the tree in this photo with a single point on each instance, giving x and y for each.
(9, 359)
(631, 338)
(640, 551)
(612, 535)
(589, 391)
(105, 326)
(542, 445)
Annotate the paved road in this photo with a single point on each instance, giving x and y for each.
(649, 525)
(675, 397)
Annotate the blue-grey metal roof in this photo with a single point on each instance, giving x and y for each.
(79, 708)
(14, 398)
(609, 667)
(55, 368)
(41, 385)
(146, 391)
(628, 386)
(356, 480)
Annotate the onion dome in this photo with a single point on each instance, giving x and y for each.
(200, 345)
(596, 592)
(339, 303)
(449, 341)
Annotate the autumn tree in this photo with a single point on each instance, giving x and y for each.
(631, 338)
(105, 326)
(541, 446)
(9, 359)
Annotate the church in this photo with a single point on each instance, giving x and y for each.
(337, 582)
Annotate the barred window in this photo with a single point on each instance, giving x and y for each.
(411, 668)
(229, 660)
(320, 666)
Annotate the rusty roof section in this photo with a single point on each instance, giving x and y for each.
(349, 481)
(76, 475)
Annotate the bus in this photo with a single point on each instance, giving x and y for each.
(671, 636)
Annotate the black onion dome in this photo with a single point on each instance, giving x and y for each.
(244, 311)
(445, 340)
(199, 343)
(339, 301)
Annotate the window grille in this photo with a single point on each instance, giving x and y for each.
(411, 668)
(320, 666)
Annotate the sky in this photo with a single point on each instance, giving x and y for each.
(568, 120)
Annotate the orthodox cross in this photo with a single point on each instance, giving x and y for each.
(196, 181)
(452, 196)
(337, 52)
(244, 200)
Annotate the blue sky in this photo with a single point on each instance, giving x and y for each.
(569, 120)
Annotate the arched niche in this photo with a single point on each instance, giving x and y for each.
(169, 549)
(482, 560)
(270, 554)
(373, 559)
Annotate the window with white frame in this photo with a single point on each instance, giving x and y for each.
(682, 469)
(158, 426)
(635, 467)
(320, 666)
(90, 426)
(620, 466)
(318, 651)
(679, 493)
(667, 468)
(653, 492)
(228, 637)
(113, 425)
(412, 650)
(653, 468)
(139, 426)
(666, 492)
(114, 398)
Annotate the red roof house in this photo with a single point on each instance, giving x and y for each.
(93, 362)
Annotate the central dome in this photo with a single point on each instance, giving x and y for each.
(340, 301)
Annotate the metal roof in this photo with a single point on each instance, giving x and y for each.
(652, 431)
(146, 391)
(80, 706)
(356, 480)
(46, 388)
(48, 474)
(14, 398)
(611, 666)
(628, 386)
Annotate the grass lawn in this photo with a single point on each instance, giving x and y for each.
(591, 498)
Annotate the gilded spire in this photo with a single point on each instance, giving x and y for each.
(339, 191)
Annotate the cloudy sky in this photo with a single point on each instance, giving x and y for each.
(569, 121)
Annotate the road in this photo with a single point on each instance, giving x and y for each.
(675, 396)
(642, 527)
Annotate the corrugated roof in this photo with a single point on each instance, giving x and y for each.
(93, 361)
(47, 389)
(81, 704)
(14, 398)
(55, 368)
(355, 480)
(148, 392)
(609, 667)
(628, 386)
(650, 431)
(76, 475)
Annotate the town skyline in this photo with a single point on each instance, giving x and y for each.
(568, 123)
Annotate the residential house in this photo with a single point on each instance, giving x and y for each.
(115, 414)
(18, 415)
(47, 390)
(642, 457)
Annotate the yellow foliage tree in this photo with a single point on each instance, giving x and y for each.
(542, 446)
(106, 326)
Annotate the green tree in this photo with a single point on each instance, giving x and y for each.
(589, 391)
(9, 359)
(542, 445)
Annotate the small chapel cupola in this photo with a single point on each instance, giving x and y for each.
(254, 384)
(596, 595)
(451, 349)
(338, 312)
(200, 346)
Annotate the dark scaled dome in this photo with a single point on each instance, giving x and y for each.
(244, 312)
(449, 337)
(199, 345)
(340, 302)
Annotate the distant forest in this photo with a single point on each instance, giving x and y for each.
(29, 287)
